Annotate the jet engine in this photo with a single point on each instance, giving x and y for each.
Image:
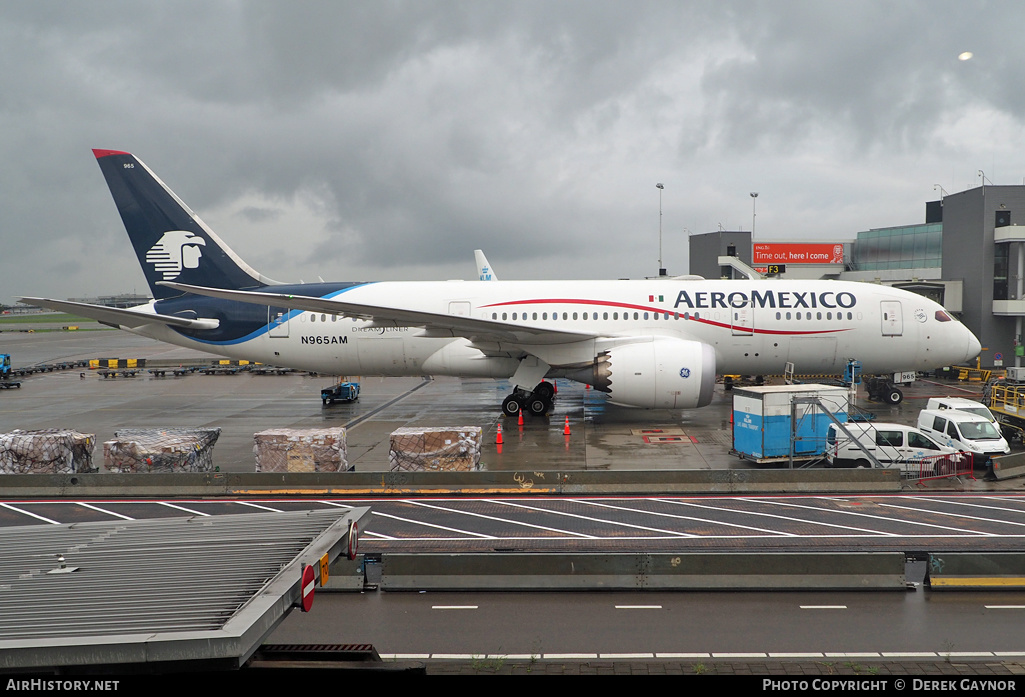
(662, 373)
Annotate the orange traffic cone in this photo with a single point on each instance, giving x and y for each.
(555, 386)
(519, 421)
(498, 437)
(565, 431)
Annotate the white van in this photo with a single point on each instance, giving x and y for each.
(891, 444)
(962, 404)
(965, 431)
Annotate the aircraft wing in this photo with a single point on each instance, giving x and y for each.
(437, 325)
(119, 317)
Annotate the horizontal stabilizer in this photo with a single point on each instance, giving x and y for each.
(121, 317)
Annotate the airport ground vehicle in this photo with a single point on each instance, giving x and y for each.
(884, 388)
(649, 344)
(5, 373)
(890, 444)
(961, 404)
(965, 431)
(342, 392)
(1006, 401)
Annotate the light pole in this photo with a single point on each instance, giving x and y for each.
(754, 212)
(661, 270)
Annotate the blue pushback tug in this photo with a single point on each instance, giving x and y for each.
(342, 392)
(5, 372)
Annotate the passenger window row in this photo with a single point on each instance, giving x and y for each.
(818, 315)
(523, 316)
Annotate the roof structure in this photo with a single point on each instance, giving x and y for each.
(178, 590)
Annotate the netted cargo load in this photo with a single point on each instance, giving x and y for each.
(436, 449)
(161, 450)
(48, 451)
(301, 450)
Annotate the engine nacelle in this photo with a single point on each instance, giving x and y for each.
(662, 373)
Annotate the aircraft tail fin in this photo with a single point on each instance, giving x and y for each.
(171, 242)
(484, 271)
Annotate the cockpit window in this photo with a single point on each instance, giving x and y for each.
(942, 316)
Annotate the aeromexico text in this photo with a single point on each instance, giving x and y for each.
(785, 299)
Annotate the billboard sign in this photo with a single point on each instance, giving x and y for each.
(797, 253)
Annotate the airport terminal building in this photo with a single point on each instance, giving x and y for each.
(968, 254)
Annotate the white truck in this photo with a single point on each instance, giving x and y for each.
(892, 445)
(961, 404)
(964, 430)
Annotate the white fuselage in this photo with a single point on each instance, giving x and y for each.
(754, 327)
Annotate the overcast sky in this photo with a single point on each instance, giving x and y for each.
(387, 140)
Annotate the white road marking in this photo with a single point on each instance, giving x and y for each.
(564, 656)
(406, 656)
(1004, 607)
(823, 607)
(182, 508)
(454, 656)
(867, 515)
(378, 514)
(610, 523)
(503, 520)
(873, 533)
(371, 535)
(1000, 521)
(29, 513)
(453, 607)
(699, 520)
(626, 655)
(256, 505)
(103, 510)
(638, 607)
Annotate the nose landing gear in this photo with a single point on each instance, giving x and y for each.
(880, 390)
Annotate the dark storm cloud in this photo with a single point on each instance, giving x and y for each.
(389, 139)
(875, 74)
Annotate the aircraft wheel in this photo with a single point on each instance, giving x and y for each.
(511, 406)
(544, 390)
(894, 396)
(539, 406)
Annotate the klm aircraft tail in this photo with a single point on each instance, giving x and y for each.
(171, 241)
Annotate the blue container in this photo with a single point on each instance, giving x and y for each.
(761, 419)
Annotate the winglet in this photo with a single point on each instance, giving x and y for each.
(107, 153)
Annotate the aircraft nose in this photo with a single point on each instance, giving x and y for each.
(974, 347)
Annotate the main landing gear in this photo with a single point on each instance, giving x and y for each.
(539, 402)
